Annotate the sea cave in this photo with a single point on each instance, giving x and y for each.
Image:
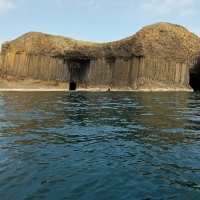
(195, 77)
(72, 86)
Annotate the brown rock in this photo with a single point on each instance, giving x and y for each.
(158, 56)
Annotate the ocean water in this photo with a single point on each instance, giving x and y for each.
(99, 145)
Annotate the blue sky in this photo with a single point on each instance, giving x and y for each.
(94, 20)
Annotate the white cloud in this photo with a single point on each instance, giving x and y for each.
(5, 5)
(165, 6)
(187, 12)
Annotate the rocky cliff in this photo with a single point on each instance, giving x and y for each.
(159, 56)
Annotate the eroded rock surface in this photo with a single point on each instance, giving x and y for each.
(161, 55)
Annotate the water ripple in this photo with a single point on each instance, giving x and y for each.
(112, 145)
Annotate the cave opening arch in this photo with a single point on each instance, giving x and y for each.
(194, 74)
(72, 86)
(195, 81)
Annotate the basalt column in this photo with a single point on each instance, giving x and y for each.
(35, 66)
(158, 57)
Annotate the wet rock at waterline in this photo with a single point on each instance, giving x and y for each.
(161, 56)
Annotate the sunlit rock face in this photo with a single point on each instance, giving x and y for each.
(159, 56)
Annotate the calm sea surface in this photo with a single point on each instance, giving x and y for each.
(92, 145)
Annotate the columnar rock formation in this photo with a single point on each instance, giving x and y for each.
(160, 56)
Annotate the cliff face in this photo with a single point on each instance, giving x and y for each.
(160, 56)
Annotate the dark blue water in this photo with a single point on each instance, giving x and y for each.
(114, 145)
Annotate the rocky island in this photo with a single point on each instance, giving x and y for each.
(161, 56)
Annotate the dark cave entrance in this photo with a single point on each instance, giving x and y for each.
(72, 86)
(195, 77)
(195, 81)
(78, 69)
